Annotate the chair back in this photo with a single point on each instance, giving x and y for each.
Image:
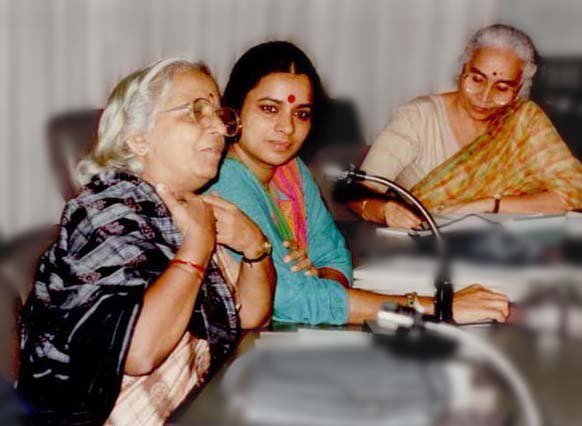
(70, 136)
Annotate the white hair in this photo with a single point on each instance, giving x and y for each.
(505, 36)
(131, 108)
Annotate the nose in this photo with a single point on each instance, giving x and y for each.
(285, 123)
(217, 126)
(485, 95)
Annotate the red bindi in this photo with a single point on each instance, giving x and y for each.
(291, 98)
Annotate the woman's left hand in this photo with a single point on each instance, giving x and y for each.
(234, 228)
(298, 255)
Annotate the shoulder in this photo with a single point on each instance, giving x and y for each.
(528, 108)
(306, 176)
(409, 117)
(308, 183)
(529, 115)
(236, 183)
(114, 189)
(419, 106)
(231, 172)
(234, 177)
(109, 200)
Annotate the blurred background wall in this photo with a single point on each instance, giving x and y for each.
(60, 55)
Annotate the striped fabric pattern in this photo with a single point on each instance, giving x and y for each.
(521, 153)
(287, 181)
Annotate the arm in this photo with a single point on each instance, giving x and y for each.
(471, 304)
(166, 311)
(395, 148)
(326, 245)
(334, 274)
(552, 174)
(299, 261)
(299, 298)
(385, 212)
(552, 164)
(256, 281)
(256, 287)
(541, 202)
(169, 301)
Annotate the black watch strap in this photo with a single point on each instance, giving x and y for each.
(267, 250)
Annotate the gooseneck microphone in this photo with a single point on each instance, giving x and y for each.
(443, 300)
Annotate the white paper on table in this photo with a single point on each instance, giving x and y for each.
(400, 275)
(574, 224)
(519, 223)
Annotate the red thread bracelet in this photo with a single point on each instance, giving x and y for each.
(192, 265)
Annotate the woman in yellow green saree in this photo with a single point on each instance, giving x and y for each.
(482, 148)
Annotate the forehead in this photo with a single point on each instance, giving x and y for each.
(188, 85)
(500, 62)
(280, 85)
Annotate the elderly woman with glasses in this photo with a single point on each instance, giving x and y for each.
(137, 300)
(482, 148)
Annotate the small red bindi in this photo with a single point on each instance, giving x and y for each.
(291, 99)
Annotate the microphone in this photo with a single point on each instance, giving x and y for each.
(443, 300)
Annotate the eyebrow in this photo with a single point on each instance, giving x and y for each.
(481, 73)
(184, 104)
(279, 102)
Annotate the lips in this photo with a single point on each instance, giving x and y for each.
(480, 110)
(280, 145)
(213, 150)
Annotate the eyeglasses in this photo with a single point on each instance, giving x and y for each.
(500, 93)
(204, 114)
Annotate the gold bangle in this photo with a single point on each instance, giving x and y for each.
(413, 301)
(364, 209)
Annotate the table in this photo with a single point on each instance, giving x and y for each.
(550, 364)
(551, 367)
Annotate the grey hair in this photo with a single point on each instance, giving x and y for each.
(506, 36)
(131, 108)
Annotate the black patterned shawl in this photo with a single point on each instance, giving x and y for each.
(115, 239)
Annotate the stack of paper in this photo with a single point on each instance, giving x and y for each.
(519, 223)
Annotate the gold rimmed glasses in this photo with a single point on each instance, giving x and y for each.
(500, 93)
(204, 114)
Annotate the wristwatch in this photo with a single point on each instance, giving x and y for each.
(267, 250)
(412, 301)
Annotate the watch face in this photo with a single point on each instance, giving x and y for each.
(268, 248)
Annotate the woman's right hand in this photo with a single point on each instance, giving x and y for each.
(194, 218)
(298, 255)
(477, 303)
(398, 216)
